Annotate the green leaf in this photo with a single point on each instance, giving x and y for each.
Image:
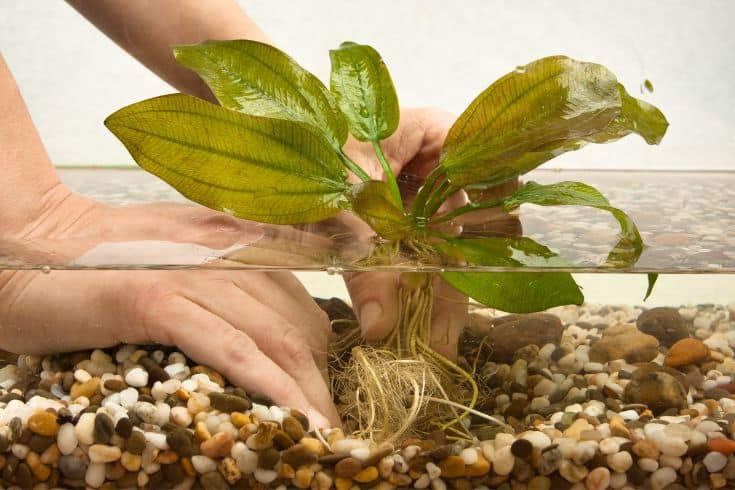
(364, 91)
(258, 79)
(630, 245)
(373, 202)
(535, 113)
(652, 278)
(264, 169)
(636, 116)
(517, 292)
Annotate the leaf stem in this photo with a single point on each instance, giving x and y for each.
(468, 208)
(426, 190)
(391, 179)
(442, 193)
(353, 167)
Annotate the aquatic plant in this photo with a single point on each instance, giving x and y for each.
(273, 152)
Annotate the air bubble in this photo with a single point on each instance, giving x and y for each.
(46, 269)
(332, 270)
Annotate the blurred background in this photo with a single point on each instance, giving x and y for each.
(440, 54)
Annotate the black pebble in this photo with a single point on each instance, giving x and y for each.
(521, 448)
(103, 428)
(124, 427)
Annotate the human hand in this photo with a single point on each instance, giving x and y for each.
(260, 329)
(413, 151)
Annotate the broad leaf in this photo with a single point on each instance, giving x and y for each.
(516, 292)
(264, 169)
(630, 245)
(535, 113)
(364, 90)
(636, 116)
(258, 79)
(372, 201)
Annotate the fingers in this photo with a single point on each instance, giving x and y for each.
(207, 338)
(449, 317)
(375, 300)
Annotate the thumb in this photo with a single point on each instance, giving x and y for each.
(375, 301)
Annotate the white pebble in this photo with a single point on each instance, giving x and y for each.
(176, 370)
(678, 430)
(360, 453)
(156, 439)
(707, 426)
(82, 376)
(189, 385)
(537, 438)
(95, 475)
(609, 446)
(584, 451)
(438, 484)
(265, 476)
(598, 479)
(128, 397)
(594, 367)
(674, 447)
(618, 480)
(146, 411)
(469, 455)
(20, 451)
(85, 428)
(100, 453)
(503, 460)
(137, 377)
(503, 439)
(648, 464)
(124, 352)
(203, 464)
(670, 461)
(422, 481)
(629, 415)
(181, 416)
(662, 478)
(620, 462)
(714, 461)
(66, 439)
(433, 470)
(247, 461)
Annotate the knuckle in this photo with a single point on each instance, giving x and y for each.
(295, 347)
(239, 348)
(148, 305)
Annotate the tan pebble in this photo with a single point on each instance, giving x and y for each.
(263, 438)
(480, 468)
(322, 480)
(574, 431)
(43, 423)
(281, 440)
(114, 471)
(347, 468)
(384, 485)
(293, 428)
(51, 455)
(182, 394)
(452, 467)
(211, 373)
(286, 471)
(197, 403)
(167, 457)
(229, 470)
(367, 475)
(618, 427)
(143, 479)
(414, 474)
(201, 432)
(399, 480)
(571, 472)
(130, 461)
(717, 480)
(188, 467)
(712, 405)
(645, 449)
(101, 453)
(88, 388)
(686, 351)
(39, 470)
(239, 419)
(303, 477)
(539, 483)
(313, 445)
(218, 445)
(343, 483)
(335, 435)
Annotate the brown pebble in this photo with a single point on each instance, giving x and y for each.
(188, 467)
(218, 445)
(114, 384)
(299, 455)
(87, 389)
(686, 351)
(521, 448)
(135, 444)
(267, 458)
(124, 427)
(43, 423)
(282, 440)
(39, 470)
(180, 441)
(104, 428)
(454, 466)
(368, 474)
(211, 373)
(173, 474)
(213, 481)
(347, 468)
(303, 477)
(24, 476)
(167, 457)
(293, 428)
(229, 403)
(40, 443)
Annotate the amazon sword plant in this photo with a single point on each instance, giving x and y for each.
(272, 152)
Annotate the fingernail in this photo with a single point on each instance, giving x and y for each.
(370, 313)
(317, 420)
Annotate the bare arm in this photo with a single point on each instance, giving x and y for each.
(147, 30)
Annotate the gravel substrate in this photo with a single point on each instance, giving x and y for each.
(591, 397)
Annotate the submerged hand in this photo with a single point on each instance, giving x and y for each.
(260, 329)
(413, 151)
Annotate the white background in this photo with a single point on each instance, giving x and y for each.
(440, 53)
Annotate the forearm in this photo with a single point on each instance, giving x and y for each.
(148, 29)
(26, 173)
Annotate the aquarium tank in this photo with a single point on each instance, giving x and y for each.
(286, 277)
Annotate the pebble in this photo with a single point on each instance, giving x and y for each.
(100, 453)
(714, 461)
(136, 443)
(662, 478)
(73, 466)
(217, 446)
(86, 389)
(43, 423)
(666, 324)
(598, 479)
(229, 403)
(84, 428)
(624, 342)
(136, 377)
(620, 462)
(503, 460)
(346, 467)
(686, 351)
(95, 475)
(103, 429)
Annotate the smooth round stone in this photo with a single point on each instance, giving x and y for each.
(707, 426)
(128, 398)
(136, 443)
(680, 431)
(247, 461)
(663, 477)
(66, 439)
(124, 427)
(537, 438)
(137, 377)
(43, 423)
(157, 440)
(503, 460)
(609, 446)
(95, 475)
(347, 467)
(673, 446)
(103, 429)
(100, 453)
(265, 476)
(714, 461)
(469, 455)
(217, 446)
(82, 376)
(73, 466)
(203, 464)
(647, 464)
(180, 442)
(344, 446)
(181, 416)
(85, 428)
(620, 462)
(229, 403)
(670, 461)
(598, 479)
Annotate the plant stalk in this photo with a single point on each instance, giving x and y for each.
(467, 209)
(353, 167)
(389, 176)
(426, 190)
